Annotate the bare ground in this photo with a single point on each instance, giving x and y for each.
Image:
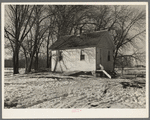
(49, 90)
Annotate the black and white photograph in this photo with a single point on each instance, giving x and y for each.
(73, 58)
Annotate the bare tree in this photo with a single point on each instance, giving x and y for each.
(126, 24)
(37, 35)
(67, 18)
(17, 28)
(130, 28)
(48, 52)
(130, 60)
(30, 26)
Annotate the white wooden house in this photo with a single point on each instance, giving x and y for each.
(84, 53)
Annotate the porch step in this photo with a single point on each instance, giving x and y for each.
(104, 73)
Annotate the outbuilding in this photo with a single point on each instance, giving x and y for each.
(87, 52)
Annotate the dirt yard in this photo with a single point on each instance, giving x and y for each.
(49, 90)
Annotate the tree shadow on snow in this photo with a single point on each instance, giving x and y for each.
(79, 73)
(135, 84)
(52, 77)
(42, 101)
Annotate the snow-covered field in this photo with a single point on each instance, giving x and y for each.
(51, 90)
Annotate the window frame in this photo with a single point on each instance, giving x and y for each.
(108, 57)
(82, 56)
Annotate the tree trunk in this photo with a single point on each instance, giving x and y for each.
(30, 63)
(49, 57)
(116, 53)
(34, 48)
(50, 63)
(31, 59)
(16, 64)
(114, 63)
(36, 61)
(122, 66)
(47, 62)
(16, 60)
(57, 57)
(26, 59)
(47, 65)
(26, 64)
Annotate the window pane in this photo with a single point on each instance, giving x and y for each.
(82, 56)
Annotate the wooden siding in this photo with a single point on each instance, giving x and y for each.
(71, 60)
(102, 49)
(102, 58)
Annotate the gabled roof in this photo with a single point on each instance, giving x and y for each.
(82, 41)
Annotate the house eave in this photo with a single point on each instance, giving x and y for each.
(79, 47)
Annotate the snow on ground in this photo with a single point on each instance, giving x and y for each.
(49, 90)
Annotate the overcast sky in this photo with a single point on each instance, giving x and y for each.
(141, 44)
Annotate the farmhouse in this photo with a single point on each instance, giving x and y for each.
(87, 52)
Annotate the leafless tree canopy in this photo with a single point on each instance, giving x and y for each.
(31, 29)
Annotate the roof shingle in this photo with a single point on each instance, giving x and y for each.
(84, 40)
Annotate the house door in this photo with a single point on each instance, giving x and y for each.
(99, 58)
(100, 55)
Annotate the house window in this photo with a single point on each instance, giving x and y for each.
(108, 55)
(60, 56)
(82, 56)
